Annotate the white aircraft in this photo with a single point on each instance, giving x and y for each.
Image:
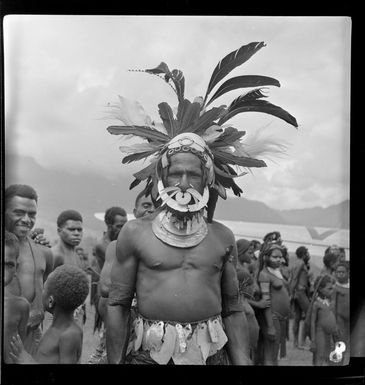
(316, 239)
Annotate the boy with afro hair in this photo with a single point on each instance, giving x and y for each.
(65, 289)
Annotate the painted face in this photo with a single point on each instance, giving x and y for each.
(71, 232)
(342, 274)
(274, 260)
(185, 171)
(119, 222)
(20, 216)
(327, 290)
(10, 264)
(144, 207)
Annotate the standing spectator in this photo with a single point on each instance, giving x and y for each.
(273, 288)
(299, 285)
(341, 304)
(34, 262)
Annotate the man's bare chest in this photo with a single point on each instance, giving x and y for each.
(31, 261)
(155, 254)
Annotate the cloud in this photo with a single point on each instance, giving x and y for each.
(61, 71)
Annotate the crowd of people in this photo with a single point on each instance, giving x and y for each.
(274, 292)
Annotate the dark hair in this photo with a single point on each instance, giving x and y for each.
(20, 190)
(69, 286)
(272, 237)
(266, 250)
(329, 259)
(301, 252)
(140, 196)
(321, 281)
(111, 213)
(11, 241)
(66, 215)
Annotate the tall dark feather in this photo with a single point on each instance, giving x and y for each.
(206, 120)
(243, 161)
(190, 115)
(137, 156)
(231, 61)
(244, 82)
(228, 137)
(141, 131)
(259, 106)
(168, 119)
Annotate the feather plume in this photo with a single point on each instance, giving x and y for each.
(138, 147)
(231, 61)
(259, 106)
(244, 82)
(138, 156)
(146, 172)
(168, 119)
(187, 115)
(129, 112)
(225, 157)
(206, 120)
(144, 132)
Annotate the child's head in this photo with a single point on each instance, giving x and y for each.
(342, 272)
(330, 260)
(66, 287)
(11, 254)
(324, 285)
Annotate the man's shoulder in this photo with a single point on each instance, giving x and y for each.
(221, 230)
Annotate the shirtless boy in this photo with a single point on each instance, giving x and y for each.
(16, 309)
(34, 262)
(69, 229)
(66, 288)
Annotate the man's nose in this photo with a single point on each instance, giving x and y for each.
(184, 183)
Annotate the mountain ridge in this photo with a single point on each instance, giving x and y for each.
(59, 190)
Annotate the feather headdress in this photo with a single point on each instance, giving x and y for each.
(223, 141)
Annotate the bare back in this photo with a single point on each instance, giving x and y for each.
(60, 345)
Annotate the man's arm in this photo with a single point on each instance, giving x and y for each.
(70, 345)
(100, 254)
(24, 307)
(313, 327)
(110, 255)
(265, 290)
(234, 319)
(48, 256)
(122, 288)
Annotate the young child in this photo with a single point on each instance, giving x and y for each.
(341, 306)
(65, 289)
(16, 309)
(322, 321)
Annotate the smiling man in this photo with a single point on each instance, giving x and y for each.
(34, 262)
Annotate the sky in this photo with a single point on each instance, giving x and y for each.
(62, 71)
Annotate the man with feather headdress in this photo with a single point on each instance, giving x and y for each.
(181, 264)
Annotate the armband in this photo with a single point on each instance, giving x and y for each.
(121, 295)
(231, 304)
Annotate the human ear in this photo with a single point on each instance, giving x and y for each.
(51, 302)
